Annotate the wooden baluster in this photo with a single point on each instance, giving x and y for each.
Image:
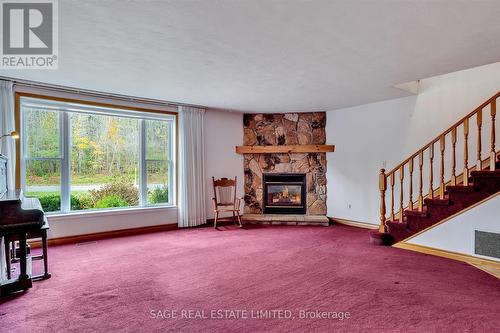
(466, 152)
(441, 184)
(431, 171)
(421, 184)
(453, 156)
(493, 157)
(392, 196)
(479, 124)
(410, 189)
(382, 185)
(401, 178)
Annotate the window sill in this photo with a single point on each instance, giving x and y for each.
(109, 212)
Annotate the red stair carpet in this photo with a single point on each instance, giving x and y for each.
(482, 184)
(112, 285)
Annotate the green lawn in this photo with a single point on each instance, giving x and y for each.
(52, 179)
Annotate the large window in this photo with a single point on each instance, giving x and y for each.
(79, 157)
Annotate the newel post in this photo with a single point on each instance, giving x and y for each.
(493, 154)
(382, 184)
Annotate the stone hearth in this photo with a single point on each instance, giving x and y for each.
(285, 129)
(286, 219)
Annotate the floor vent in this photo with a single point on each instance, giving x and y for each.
(487, 244)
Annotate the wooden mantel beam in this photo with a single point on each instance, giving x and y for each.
(285, 149)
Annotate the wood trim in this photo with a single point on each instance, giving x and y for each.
(451, 216)
(448, 254)
(352, 223)
(490, 269)
(285, 149)
(104, 235)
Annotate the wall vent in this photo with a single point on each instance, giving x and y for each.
(487, 244)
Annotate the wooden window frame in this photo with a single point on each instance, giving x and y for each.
(17, 100)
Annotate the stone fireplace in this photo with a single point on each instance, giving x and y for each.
(261, 170)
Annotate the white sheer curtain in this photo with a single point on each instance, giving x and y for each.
(192, 209)
(7, 125)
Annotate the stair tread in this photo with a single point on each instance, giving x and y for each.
(460, 188)
(397, 224)
(416, 212)
(458, 197)
(437, 201)
(485, 173)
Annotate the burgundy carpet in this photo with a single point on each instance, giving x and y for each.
(113, 285)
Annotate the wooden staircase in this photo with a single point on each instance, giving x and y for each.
(416, 211)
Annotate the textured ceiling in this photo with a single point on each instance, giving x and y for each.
(268, 56)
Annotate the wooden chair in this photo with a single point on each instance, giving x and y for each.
(225, 199)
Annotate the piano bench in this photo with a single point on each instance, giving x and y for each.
(12, 256)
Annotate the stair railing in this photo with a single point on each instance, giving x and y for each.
(422, 163)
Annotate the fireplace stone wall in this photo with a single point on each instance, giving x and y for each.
(285, 129)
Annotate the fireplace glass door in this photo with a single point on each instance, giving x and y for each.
(284, 193)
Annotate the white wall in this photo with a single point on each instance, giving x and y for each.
(457, 234)
(223, 131)
(93, 222)
(443, 100)
(366, 136)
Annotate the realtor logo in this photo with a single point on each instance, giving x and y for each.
(29, 34)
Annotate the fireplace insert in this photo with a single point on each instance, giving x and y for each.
(284, 193)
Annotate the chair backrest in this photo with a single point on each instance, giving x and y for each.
(225, 191)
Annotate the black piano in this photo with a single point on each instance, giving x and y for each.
(21, 218)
